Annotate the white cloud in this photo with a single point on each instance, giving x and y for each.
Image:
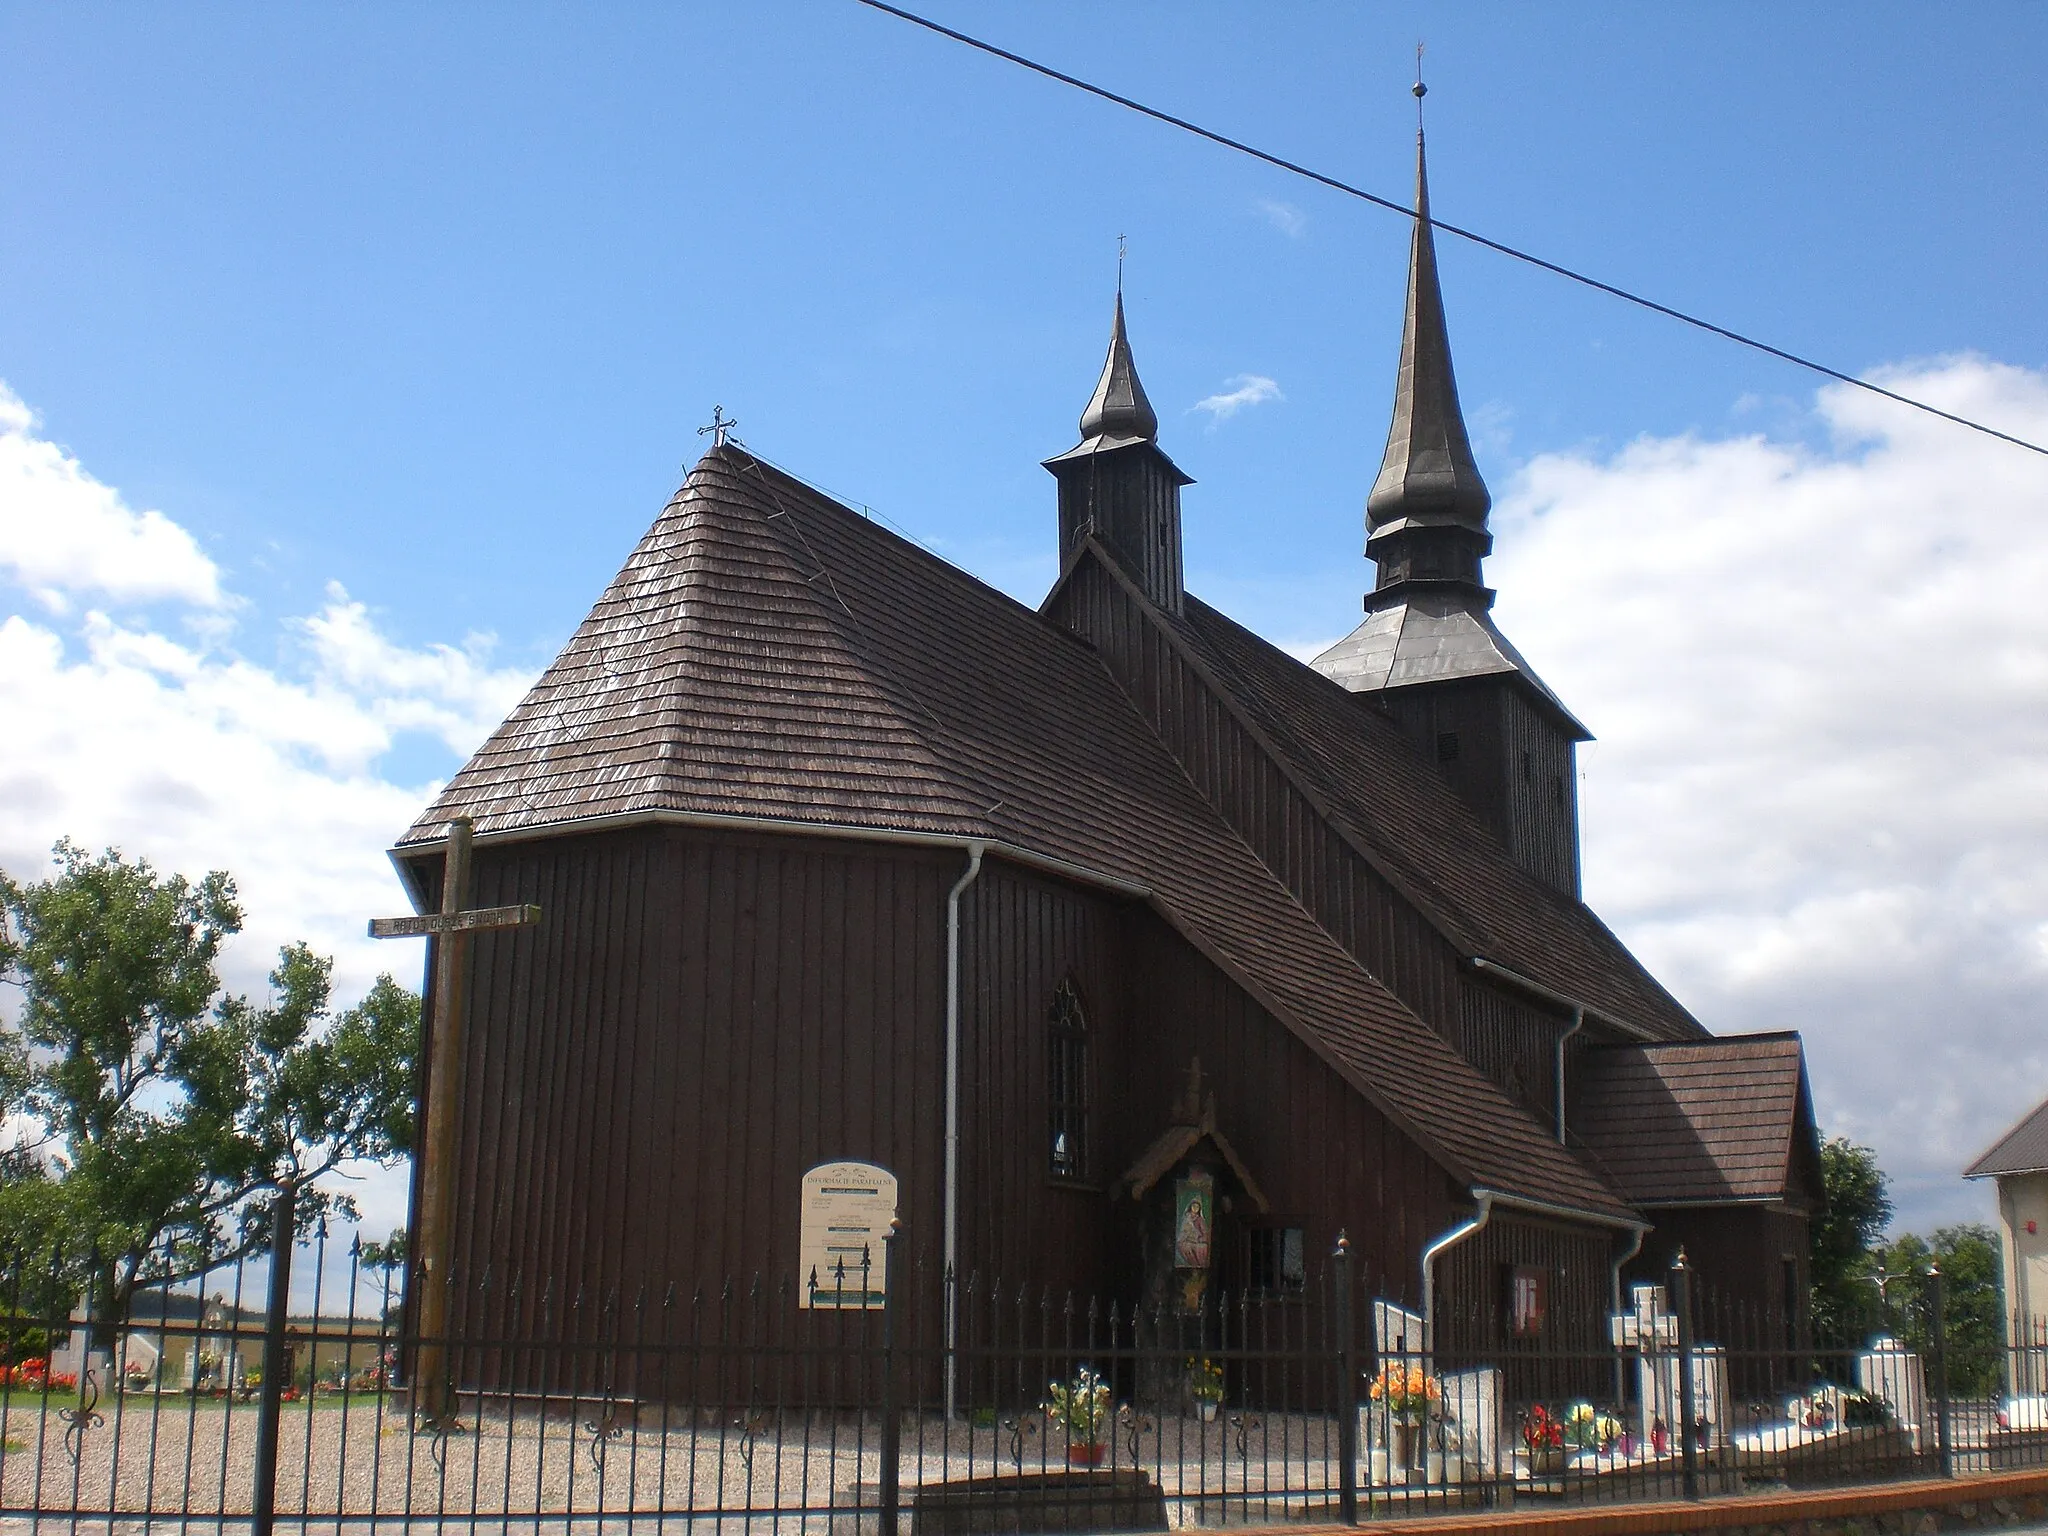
(1246, 389)
(174, 748)
(1283, 216)
(1819, 800)
(62, 531)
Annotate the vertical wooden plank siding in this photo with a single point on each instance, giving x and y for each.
(701, 1016)
(1392, 940)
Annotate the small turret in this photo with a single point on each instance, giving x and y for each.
(1116, 484)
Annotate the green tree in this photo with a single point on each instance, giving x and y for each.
(378, 1266)
(171, 1110)
(1848, 1228)
(1972, 1302)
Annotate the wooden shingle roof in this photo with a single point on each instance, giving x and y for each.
(1699, 1122)
(767, 652)
(2023, 1149)
(1402, 815)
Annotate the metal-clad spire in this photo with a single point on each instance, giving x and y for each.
(1428, 474)
(1118, 409)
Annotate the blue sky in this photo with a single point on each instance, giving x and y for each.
(422, 307)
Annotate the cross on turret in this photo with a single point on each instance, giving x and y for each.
(719, 428)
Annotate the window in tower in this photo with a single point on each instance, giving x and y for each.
(1447, 746)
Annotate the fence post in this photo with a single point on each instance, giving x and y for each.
(1681, 1301)
(1938, 1300)
(890, 1495)
(1347, 1391)
(270, 1400)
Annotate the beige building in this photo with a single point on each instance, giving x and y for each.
(2019, 1162)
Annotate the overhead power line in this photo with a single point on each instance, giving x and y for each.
(1334, 184)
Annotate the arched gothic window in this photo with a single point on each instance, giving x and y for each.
(1066, 1083)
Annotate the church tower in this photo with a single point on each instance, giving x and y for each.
(1428, 654)
(1117, 485)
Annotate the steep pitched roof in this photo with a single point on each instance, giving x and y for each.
(768, 652)
(1399, 812)
(2023, 1149)
(1703, 1122)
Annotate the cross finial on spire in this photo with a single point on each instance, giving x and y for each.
(1419, 88)
(720, 427)
(1120, 266)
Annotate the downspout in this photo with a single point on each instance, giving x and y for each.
(1614, 1294)
(1615, 1268)
(952, 1261)
(1578, 1023)
(1443, 1244)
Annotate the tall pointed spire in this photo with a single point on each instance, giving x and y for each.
(1428, 475)
(1429, 654)
(1118, 409)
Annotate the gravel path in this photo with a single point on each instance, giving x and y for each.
(799, 1473)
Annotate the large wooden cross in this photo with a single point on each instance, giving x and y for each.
(434, 1234)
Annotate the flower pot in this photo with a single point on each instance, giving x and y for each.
(1206, 1407)
(1382, 1468)
(1079, 1455)
(1546, 1460)
(1407, 1443)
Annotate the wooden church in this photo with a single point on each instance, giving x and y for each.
(1062, 913)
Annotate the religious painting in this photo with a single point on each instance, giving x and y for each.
(1528, 1300)
(1194, 1223)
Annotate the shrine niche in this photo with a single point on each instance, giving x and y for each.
(1195, 1200)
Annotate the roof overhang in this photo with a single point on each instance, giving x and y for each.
(1505, 1201)
(727, 822)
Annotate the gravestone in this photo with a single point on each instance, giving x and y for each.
(1650, 1328)
(1657, 1380)
(1472, 1399)
(138, 1359)
(73, 1359)
(1398, 1335)
(1893, 1374)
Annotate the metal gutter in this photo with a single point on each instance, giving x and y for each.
(1558, 999)
(723, 821)
(1561, 1212)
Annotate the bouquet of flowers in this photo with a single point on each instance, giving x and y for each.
(1081, 1408)
(1205, 1381)
(1589, 1429)
(1543, 1435)
(1408, 1392)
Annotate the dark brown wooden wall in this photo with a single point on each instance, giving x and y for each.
(703, 1015)
(1737, 1255)
(1323, 1155)
(1515, 766)
(1021, 935)
(699, 1018)
(1249, 789)
(1472, 1308)
(1508, 1039)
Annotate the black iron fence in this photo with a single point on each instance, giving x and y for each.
(802, 1407)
